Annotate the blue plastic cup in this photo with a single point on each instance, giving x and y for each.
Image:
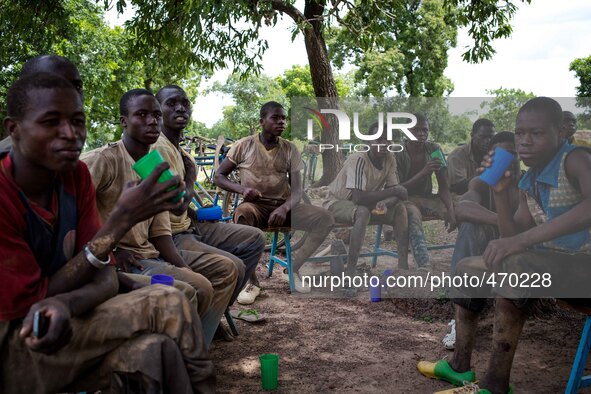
(209, 213)
(501, 160)
(162, 280)
(375, 292)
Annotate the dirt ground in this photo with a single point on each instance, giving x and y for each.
(354, 345)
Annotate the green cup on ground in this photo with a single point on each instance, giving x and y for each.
(269, 371)
(144, 167)
(438, 154)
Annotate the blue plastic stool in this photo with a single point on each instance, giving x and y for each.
(286, 263)
(576, 380)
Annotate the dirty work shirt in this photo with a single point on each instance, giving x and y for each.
(174, 157)
(359, 172)
(461, 165)
(266, 170)
(111, 170)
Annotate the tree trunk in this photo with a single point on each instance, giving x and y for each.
(324, 87)
(322, 76)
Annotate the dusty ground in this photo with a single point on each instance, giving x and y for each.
(354, 345)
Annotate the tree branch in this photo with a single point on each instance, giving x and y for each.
(281, 6)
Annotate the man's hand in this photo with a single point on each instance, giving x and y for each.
(500, 248)
(504, 183)
(450, 221)
(251, 194)
(380, 209)
(59, 331)
(277, 217)
(126, 284)
(143, 200)
(431, 166)
(187, 198)
(127, 260)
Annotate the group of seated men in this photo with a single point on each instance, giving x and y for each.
(80, 322)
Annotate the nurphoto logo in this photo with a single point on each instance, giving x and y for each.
(344, 129)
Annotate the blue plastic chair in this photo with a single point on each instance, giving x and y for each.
(576, 380)
(274, 259)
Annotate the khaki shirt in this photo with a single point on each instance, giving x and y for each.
(266, 170)
(174, 157)
(111, 169)
(461, 164)
(359, 172)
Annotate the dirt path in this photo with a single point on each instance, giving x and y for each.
(353, 345)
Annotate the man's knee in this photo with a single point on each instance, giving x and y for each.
(326, 218)
(245, 214)
(473, 265)
(203, 289)
(519, 263)
(412, 210)
(256, 237)
(228, 270)
(475, 305)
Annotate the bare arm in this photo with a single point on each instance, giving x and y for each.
(135, 204)
(168, 251)
(469, 208)
(461, 187)
(104, 285)
(416, 179)
(445, 196)
(221, 179)
(278, 216)
(369, 199)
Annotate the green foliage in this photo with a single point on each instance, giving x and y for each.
(297, 82)
(502, 109)
(487, 20)
(77, 31)
(203, 35)
(404, 48)
(249, 94)
(457, 130)
(396, 44)
(582, 69)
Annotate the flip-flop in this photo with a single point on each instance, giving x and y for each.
(441, 370)
(248, 315)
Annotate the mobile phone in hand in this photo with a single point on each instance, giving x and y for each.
(40, 324)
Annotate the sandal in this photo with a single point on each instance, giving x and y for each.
(248, 315)
(442, 371)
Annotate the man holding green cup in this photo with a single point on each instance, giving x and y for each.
(148, 248)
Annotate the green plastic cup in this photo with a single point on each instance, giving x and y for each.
(269, 371)
(144, 167)
(438, 154)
